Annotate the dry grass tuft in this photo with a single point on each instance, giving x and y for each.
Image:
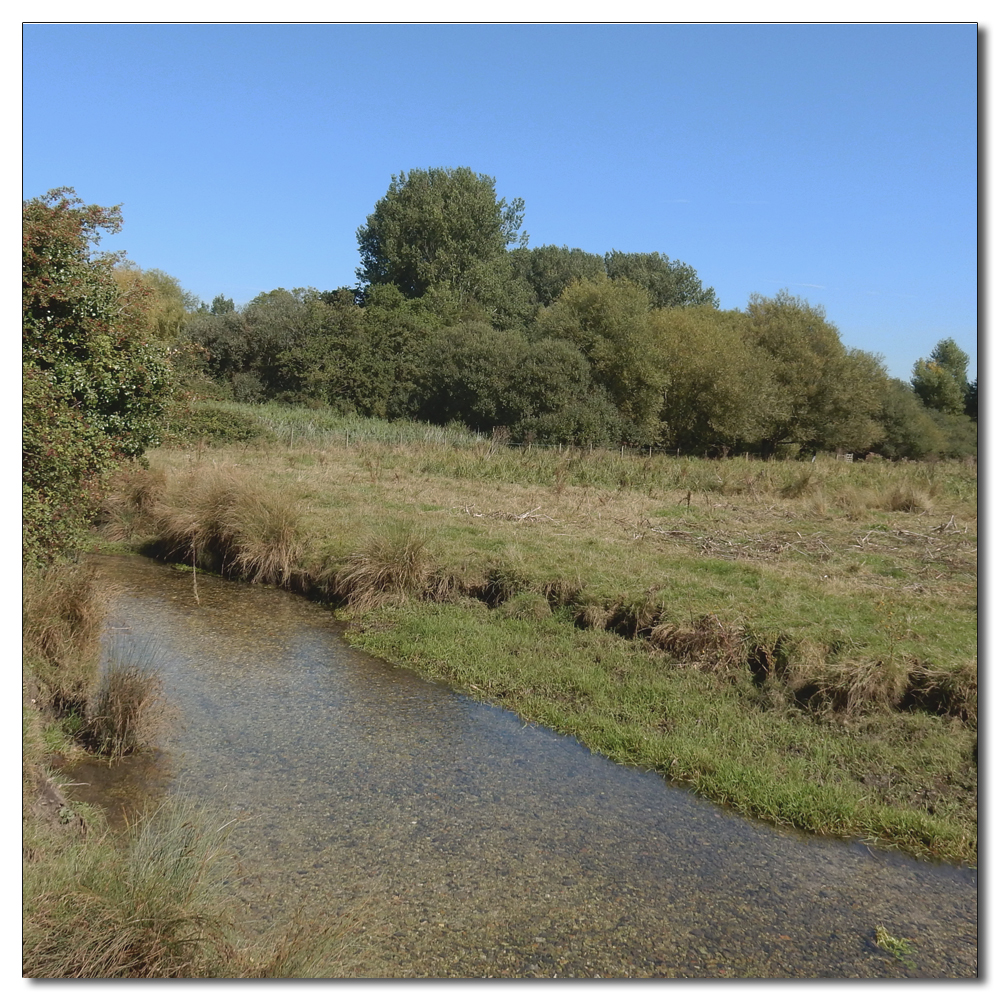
(562, 593)
(594, 616)
(905, 498)
(63, 613)
(527, 606)
(155, 909)
(853, 687)
(945, 692)
(865, 686)
(127, 510)
(716, 644)
(632, 618)
(443, 587)
(227, 521)
(394, 564)
(123, 715)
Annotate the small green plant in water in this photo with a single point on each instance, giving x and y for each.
(899, 948)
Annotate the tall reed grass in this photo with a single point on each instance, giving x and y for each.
(63, 611)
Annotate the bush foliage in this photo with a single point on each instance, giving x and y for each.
(94, 384)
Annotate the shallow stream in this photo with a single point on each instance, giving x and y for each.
(470, 844)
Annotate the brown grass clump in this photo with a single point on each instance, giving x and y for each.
(123, 714)
(444, 587)
(945, 692)
(561, 593)
(394, 564)
(225, 520)
(63, 612)
(857, 686)
(594, 616)
(905, 498)
(633, 618)
(127, 510)
(708, 640)
(865, 686)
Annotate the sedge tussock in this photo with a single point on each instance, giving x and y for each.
(227, 520)
(157, 907)
(393, 564)
(124, 713)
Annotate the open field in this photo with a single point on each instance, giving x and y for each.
(794, 639)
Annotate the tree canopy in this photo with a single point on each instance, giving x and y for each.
(457, 318)
(669, 282)
(439, 226)
(940, 381)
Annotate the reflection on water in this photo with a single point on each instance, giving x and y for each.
(481, 846)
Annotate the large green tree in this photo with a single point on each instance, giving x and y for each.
(719, 389)
(549, 270)
(93, 383)
(907, 427)
(669, 282)
(827, 396)
(244, 348)
(609, 323)
(940, 380)
(440, 226)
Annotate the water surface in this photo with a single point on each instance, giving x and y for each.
(474, 845)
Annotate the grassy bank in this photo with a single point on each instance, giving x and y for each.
(793, 639)
(156, 901)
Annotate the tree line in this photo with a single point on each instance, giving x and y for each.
(454, 318)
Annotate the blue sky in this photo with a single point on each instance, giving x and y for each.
(837, 161)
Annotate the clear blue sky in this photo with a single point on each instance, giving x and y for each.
(837, 161)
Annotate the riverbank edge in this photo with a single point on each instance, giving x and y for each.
(376, 630)
(155, 899)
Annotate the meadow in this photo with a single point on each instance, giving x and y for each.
(793, 639)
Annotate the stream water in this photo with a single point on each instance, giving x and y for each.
(469, 844)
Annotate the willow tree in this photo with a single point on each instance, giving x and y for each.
(609, 323)
(719, 388)
(827, 395)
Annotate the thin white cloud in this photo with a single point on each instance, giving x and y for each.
(794, 284)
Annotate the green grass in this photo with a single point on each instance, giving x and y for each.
(872, 777)
(704, 616)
